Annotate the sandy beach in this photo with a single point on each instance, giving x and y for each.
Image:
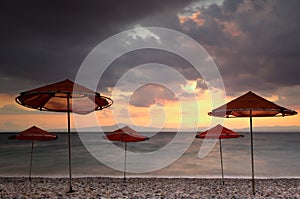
(100, 187)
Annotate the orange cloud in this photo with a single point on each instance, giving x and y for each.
(159, 116)
(195, 17)
(150, 94)
(6, 99)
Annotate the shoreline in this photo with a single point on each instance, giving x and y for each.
(160, 177)
(107, 187)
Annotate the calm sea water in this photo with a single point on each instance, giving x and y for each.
(276, 155)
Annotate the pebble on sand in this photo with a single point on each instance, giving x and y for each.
(103, 187)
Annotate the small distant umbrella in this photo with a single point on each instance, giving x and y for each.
(251, 105)
(34, 134)
(219, 132)
(125, 134)
(64, 96)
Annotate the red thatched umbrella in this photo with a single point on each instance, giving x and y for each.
(34, 134)
(251, 105)
(64, 96)
(125, 135)
(219, 132)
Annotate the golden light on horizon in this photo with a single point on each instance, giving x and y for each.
(169, 114)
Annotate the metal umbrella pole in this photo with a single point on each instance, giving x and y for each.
(30, 160)
(252, 154)
(69, 143)
(125, 162)
(221, 161)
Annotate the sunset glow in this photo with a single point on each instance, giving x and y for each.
(253, 46)
(165, 114)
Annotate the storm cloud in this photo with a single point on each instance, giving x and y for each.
(46, 41)
(255, 43)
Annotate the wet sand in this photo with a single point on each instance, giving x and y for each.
(103, 187)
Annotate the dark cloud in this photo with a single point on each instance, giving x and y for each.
(256, 44)
(231, 5)
(201, 84)
(151, 94)
(139, 57)
(46, 41)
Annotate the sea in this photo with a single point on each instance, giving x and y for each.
(276, 155)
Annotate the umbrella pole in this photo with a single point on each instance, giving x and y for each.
(252, 154)
(69, 144)
(221, 161)
(30, 160)
(125, 162)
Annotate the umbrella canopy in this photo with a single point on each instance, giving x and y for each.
(259, 107)
(53, 97)
(64, 96)
(33, 133)
(219, 132)
(251, 105)
(125, 134)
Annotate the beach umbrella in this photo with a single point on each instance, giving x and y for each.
(34, 134)
(64, 96)
(125, 134)
(251, 105)
(219, 132)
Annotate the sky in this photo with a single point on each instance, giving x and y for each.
(255, 46)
